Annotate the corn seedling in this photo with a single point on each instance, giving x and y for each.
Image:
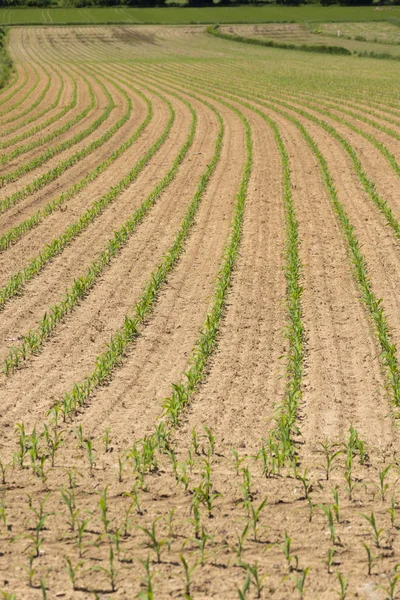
(3, 470)
(90, 454)
(107, 439)
(72, 570)
(152, 542)
(40, 522)
(147, 593)
(31, 570)
(300, 581)
(343, 583)
(202, 543)
(104, 510)
(291, 559)
(256, 579)
(377, 532)
(392, 511)
(211, 439)
(246, 586)
(3, 512)
(246, 488)
(329, 561)
(307, 485)
(371, 560)
(335, 505)
(330, 458)
(188, 573)
(383, 485)
(237, 461)
(327, 510)
(111, 572)
(391, 588)
(69, 501)
(81, 528)
(255, 517)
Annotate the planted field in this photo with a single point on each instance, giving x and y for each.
(377, 38)
(200, 298)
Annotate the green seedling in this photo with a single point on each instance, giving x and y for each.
(291, 559)
(54, 441)
(195, 442)
(377, 532)
(370, 558)
(153, 543)
(330, 457)
(89, 448)
(300, 581)
(246, 586)
(202, 543)
(391, 588)
(188, 573)
(69, 500)
(335, 505)
(307, 485)
(104, 510)
(256, 579)
(392, 511)
(328, 513)
(246, 488)
(383, 485)
(111, 572)
(211, 439)
(40, 522)
(107, 439)
(255, 517)
(3, 470)
(31, 570)
(237, 461)
(343, 583)
(121, 465)
(81, 528)
(3, 512)
(73, 570)
(147, 593)
(329, 561)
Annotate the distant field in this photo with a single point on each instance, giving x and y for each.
(238, 14)
(380, 38)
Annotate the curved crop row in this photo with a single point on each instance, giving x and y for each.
(33, 341)
(16, 283)
(373, 304)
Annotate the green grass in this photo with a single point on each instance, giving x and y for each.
(223, 14)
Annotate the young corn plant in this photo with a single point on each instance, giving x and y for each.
(188, 574)
(376, 532)
(291, 559)
(300, 582)
(344, 584)
(147, 593)
(68, 498)
(41, 517)
(371, 560)
(256, 579)
(111, 572)
(153, 543)
(255, 517)
(72, 571)
(383, 485)
(331, 456)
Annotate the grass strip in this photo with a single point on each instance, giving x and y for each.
(16, 283)
(213, 30)
(33, 341)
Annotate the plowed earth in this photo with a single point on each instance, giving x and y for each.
(198, 187)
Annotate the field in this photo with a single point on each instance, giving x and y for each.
(361, 38)
(176, 15)
(200, 299)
